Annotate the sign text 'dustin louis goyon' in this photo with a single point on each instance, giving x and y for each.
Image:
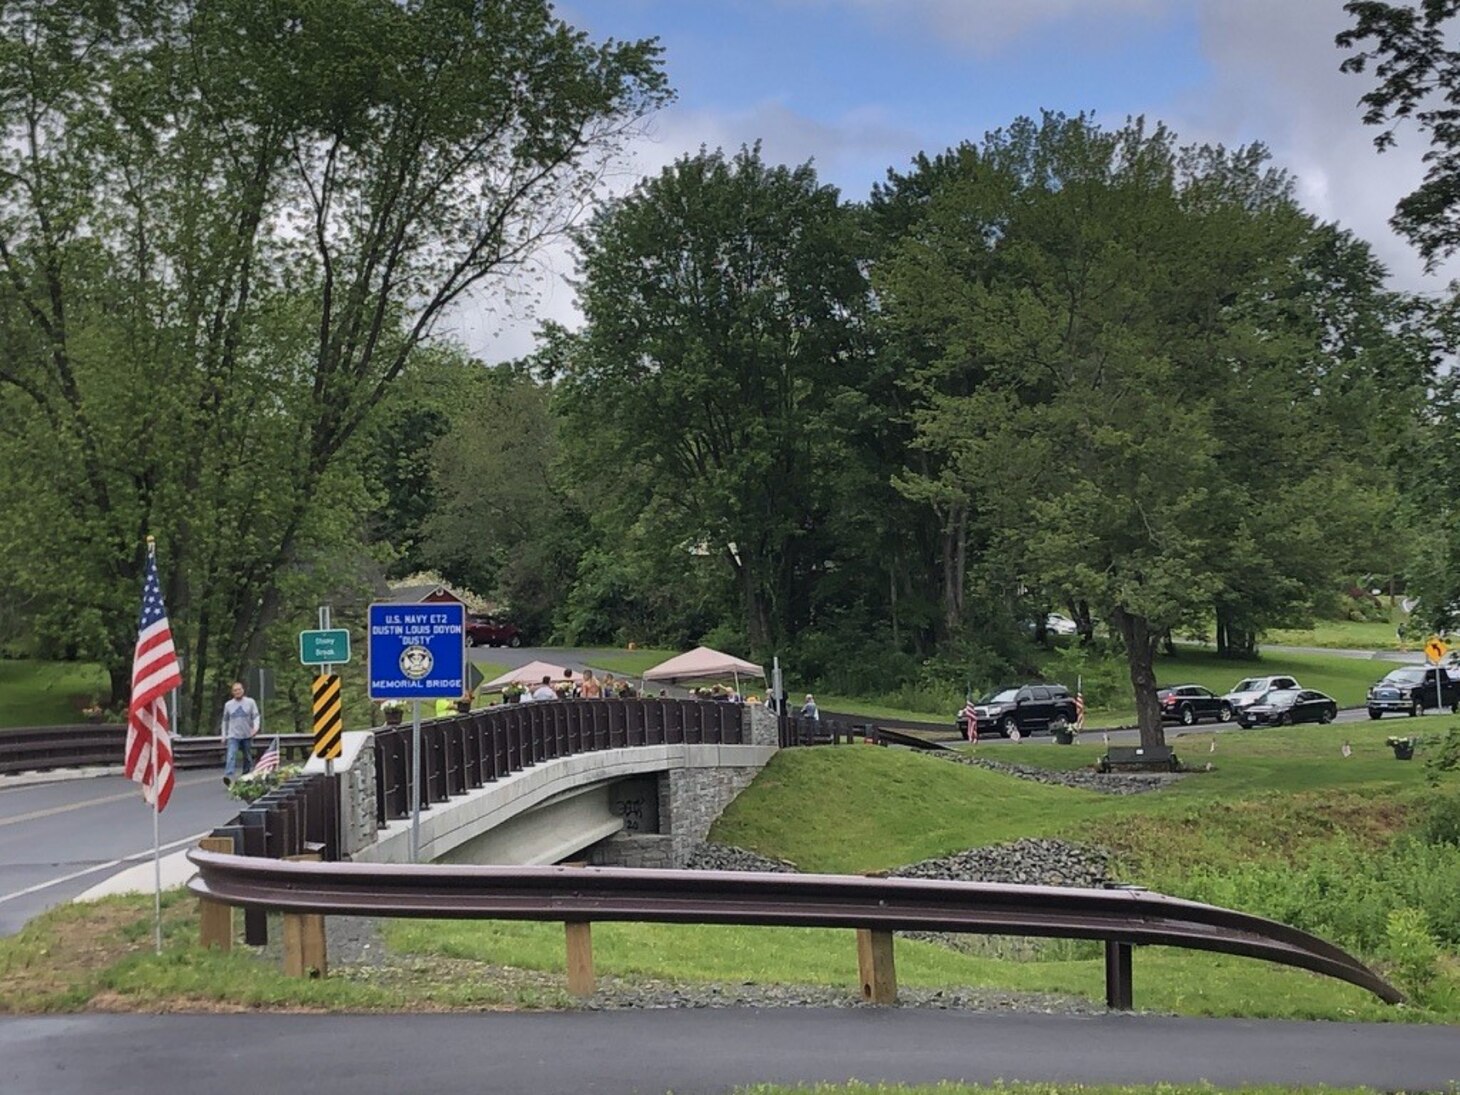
(417, 652)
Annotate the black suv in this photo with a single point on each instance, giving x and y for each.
(1025, 708)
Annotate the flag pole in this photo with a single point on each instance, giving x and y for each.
(157, 810)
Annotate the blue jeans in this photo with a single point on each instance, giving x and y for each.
(240, 757)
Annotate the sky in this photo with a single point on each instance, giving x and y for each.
(861, 86)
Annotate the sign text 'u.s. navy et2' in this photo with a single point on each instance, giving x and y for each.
(417, 652)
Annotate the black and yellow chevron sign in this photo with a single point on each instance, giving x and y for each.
(329, 717)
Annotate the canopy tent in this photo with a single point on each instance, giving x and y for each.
(528, 675)
(700, 664)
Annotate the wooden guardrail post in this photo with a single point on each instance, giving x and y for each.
(215, 920)
(578, 935)
(876, 966)
(304, 942)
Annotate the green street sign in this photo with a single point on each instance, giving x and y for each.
(324, 647)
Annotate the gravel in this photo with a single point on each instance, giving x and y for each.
(1087, 779)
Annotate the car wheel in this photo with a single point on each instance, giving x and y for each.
(1188, 716)
(1224, 713)
(1285, 719)
(516, 641)
(469, 640)
(1375, 714)
(1327, 715)
(1417, 710)
(1007, 726)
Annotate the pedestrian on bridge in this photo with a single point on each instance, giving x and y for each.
(241, 724)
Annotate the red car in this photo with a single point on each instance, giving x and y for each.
(490, 631)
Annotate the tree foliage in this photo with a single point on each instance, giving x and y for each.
(226, 229)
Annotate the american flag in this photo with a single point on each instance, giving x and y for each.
(270, 760)
(970, 719)
(1079, 710)
(155, 673)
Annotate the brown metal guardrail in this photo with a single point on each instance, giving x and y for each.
(1121, 918)
(41, 748)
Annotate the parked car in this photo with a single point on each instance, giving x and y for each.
(1055, 623)
(1285, 706)
(1247, 692)
(1409, 689)
(1190, 703)
(491, 631)
(1026, 708)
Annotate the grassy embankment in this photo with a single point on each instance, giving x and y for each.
(1283, 825)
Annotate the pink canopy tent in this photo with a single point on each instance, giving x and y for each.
(528, 675)
(701, 664)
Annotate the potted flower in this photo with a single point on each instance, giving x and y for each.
(252, 786)
(1403, 747)
(512, 692)
(464, 704)
(394, 711)
(1064, 733)
(93, 711)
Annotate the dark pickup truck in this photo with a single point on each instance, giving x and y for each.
(1025, 708)
(1410, 689)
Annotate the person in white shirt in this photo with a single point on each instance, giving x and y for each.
(240, 725)
(808, 709)
(544, 691)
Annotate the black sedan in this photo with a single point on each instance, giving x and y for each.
(1287, 706)
(1190, 703)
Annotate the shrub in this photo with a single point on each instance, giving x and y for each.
(1411, 950)
(1441, 823)
(1104, 681)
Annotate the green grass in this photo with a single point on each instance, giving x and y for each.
(1345, 635)
(34, 693)
(630, 663)
(1165, 979)
(948, 1087)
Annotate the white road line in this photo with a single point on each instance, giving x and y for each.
(133, 858)
(135, 792)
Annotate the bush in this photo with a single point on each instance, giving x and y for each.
(1411, 950)
(1104, 681)
(1441, 823)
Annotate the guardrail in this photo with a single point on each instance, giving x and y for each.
(1121, 918)
(40, 748)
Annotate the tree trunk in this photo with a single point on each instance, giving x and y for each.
(1222, 645)
(1140, 653)
(1084, 622)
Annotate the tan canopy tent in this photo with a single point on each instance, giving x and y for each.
(701, 664)
(528, 675)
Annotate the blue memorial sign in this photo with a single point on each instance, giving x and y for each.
(417, 652)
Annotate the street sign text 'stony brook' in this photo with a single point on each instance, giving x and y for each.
(417, 652)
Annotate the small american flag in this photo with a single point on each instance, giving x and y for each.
(970, 719)
(155, 673)
(270, 760)
(1079, 710)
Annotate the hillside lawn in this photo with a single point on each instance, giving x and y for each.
(36, 693)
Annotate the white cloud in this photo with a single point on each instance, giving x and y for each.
(987, 26)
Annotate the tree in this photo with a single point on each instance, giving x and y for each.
(1419, 80)
(717, 375)
(226, 229)
(1135, 348)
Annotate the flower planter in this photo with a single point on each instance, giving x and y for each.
(464, 706)
(1403, 752)
(393, 718)
(1064, 737)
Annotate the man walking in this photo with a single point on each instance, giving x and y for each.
(240, 724)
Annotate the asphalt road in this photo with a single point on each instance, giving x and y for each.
(60, 838)
(700, 1050)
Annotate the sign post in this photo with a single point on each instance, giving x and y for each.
(416, 652)
(1436, 649)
